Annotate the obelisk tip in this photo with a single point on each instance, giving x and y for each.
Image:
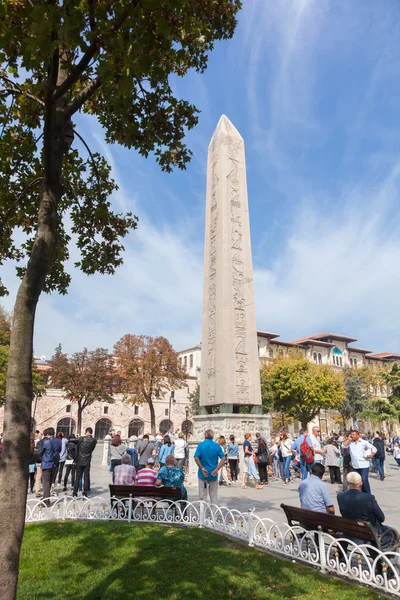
(226, 127)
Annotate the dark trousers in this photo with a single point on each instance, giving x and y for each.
(31, 481)
(364, 476)
(70, 469)
(346, 470)
(234, 468)
(60, 471)
(379, 466)
(82, 470)
(115, 462)
(262, 471)
(334, 472)
(47, 479)
(305, 468)
(179, 462)
(54, 474)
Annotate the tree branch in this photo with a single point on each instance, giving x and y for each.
(18, 199)
(16, 89)
(92, 158)
(89, 54)
(83, 96)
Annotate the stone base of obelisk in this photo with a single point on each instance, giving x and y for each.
(225, 424)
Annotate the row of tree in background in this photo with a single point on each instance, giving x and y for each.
(144, 369)
(300, 390)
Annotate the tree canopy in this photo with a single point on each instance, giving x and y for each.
(300, 389)
(112, 60)
(148, 368)
(357, 388)
(85, 376)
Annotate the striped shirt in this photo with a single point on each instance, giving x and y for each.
(146, 477)
(124, 475)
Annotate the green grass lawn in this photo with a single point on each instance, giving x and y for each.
(101, 561)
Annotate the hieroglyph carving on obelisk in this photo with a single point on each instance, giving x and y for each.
(230, 365)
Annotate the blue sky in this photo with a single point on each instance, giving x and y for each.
(313, 87)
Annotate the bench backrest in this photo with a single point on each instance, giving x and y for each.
(147, 491)
(346, 527)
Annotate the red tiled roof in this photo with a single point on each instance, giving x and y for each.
(381, 355)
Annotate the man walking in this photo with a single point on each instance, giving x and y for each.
(210, 458)
(86, 445)
(361, 453)
(380, 456)
(50, 459)
(303, 445)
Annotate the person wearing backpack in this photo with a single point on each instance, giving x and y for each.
(304, 446)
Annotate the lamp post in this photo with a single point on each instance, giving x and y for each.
(186, 422)
(283, 416)
(171, 401)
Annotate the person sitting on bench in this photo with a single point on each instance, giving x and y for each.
(170, 475)
(314, 494)
(124, 474)
(356, 505)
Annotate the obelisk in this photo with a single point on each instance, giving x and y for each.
(230, 368)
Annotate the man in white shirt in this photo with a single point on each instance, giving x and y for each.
(316, 444)
(361, 453)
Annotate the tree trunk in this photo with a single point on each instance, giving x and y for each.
(152, 416)
(80, 411)
(304, 424)
(17, 414)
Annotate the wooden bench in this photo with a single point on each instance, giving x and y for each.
(339, 526)
(169, 493)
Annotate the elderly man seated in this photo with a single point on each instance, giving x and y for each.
(314, 494)
(356, 505)
(124, 474)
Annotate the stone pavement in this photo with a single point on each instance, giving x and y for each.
(266, 501)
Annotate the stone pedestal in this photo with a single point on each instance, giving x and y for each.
(225, 424)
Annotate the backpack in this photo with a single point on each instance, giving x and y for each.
(72, 451)
(306, 452)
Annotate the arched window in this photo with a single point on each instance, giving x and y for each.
(320, 358)
(340, 360)
(271, 353)
(166, 425)
(67, 426)
(314, 357)
(258, 346)
(355, 362)
(103, 427)
(187, 427)
(351, 362)
(136, 427)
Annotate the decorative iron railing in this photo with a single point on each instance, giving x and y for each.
(340, 556)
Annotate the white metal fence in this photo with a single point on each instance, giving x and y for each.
(361, 563)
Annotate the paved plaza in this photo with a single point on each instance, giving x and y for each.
(267, 501)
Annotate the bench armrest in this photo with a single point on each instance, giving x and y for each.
(395, 534)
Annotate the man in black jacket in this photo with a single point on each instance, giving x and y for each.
(380, 456)
(355, 505)
(86, 445)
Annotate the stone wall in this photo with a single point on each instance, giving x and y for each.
(49, 410)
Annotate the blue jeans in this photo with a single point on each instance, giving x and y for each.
(305, 468)
(364, 476)
(379, 466)
(286, 464)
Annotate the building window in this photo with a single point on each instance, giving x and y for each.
(191, 361)
(340, 360)
(136, 410)
(185, 362)
(355, 362)
(105, 412)
(320, 358)
(166, 412)
(314, 357)
(271, 353)
(351, 362)
(68, 408)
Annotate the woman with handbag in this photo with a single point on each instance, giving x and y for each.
(117, 450)
(286, 453)
(262, 461)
